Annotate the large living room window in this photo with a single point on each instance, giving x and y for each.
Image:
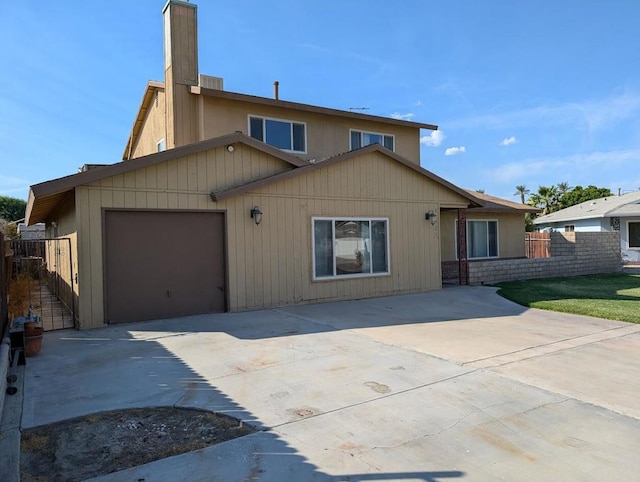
(283, 134)
(482, 239)
(634, 234)
(361, 139)
(348, 247)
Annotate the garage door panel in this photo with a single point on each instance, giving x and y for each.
(163, 264)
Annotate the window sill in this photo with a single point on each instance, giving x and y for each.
(350, 276)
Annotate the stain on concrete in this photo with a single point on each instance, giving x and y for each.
(378, 387)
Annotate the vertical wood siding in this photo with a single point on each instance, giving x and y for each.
(153, 128)
(271, 264)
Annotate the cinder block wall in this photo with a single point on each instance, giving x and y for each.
(572, 254)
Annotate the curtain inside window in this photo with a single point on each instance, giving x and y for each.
(379, 247)
(477, 236)
(323, 243)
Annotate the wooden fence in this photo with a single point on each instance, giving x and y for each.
(537, 245)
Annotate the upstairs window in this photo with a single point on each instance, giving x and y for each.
(283, 134)
(161, 145)
(361, 139)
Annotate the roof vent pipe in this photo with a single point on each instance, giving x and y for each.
(276, 93)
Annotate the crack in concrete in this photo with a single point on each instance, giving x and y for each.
(364, 402)
(542, 345)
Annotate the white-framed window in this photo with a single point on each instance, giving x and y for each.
(569, 228)
(633, 229)
(482, 238)
(350, 247)
(161, 145)
(360, 139)
(283, 134)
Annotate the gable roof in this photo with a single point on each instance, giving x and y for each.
(154, 86)
(310, 167)
(224, 94)
(45, 196)
(494, 204)
(625, 205)
(147, 99)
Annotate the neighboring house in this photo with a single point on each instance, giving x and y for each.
(613, 213)
(36, 231)
(230, 202)
(494, 231)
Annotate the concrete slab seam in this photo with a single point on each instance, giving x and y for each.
(541, 345)
(364, 402)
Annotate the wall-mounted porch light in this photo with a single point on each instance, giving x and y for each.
(431, 216)
(256, 215)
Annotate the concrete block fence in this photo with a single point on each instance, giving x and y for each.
(572, 254)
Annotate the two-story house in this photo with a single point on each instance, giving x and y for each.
(229, 202)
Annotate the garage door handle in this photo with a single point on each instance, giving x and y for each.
(221, 288)
(168, 293)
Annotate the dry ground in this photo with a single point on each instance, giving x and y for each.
(106, 442)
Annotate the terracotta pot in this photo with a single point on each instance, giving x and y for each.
(32, 342)
(29, 325)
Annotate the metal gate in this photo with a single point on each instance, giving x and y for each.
(42, 282)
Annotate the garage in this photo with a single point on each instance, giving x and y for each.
(163, 264)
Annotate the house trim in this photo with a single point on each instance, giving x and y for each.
(45, 196)
(242, 188)
(223, 94)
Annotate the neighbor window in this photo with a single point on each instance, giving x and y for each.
(569, 228)
(161, 145)
(285, 135)
(634, 234)
(361, 139)
(482, 239)
(345, 247)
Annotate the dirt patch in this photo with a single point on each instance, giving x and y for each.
(106, 442)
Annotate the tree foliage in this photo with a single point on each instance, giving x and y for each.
(550, 199)
(11, 208)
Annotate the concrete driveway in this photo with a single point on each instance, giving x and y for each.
(446, 385)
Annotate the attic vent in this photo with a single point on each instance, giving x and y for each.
(210, 82)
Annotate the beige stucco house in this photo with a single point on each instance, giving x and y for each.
(230, 202)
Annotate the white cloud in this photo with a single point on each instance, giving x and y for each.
(593, 114)
(508, 141)
(399, 116)
(434, 139)
(452, 151)
(588, 164)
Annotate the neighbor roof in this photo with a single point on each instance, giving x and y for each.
(625, 205)
(495, 204)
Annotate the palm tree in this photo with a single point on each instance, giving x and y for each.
(563, 187)
(522, 191)
(548, 197)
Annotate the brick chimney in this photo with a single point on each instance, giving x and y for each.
(180, 72)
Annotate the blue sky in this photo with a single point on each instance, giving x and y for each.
(524, 92)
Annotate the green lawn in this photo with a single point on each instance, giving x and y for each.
(611, 296)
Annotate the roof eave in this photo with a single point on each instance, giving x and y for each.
(224, 94)
(236, 190)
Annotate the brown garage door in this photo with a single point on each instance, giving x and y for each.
(163, 264)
